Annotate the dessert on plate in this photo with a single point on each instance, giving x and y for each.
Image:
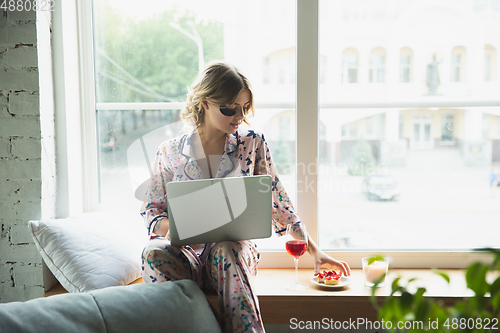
(329, 277)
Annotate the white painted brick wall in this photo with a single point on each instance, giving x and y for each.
(21, 156)
(6, 274)
(18, 234)
(5, 147)
(24, 104)
(25, 148)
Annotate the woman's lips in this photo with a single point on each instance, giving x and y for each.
(235, 125)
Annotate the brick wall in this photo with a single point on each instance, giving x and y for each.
(21, 158)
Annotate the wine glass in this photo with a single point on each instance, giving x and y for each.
(296, 245)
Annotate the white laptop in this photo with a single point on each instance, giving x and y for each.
(219, 209)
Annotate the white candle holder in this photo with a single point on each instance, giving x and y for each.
(374, 271)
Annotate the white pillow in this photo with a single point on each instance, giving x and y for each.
(92, 251)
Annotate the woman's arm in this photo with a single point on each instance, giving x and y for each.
(154, 209)
(321, 258)
(284, 212)
(162, 228)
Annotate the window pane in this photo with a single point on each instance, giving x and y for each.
(126, 138)
(368, 29)
(433, 162)
(434, 185)
(447, 128)
(152, 52)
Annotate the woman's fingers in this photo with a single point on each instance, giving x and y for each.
(347, 269)
(342, 265)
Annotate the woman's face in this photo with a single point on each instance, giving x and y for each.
(215, 119)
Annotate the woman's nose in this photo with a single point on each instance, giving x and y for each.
(239, 112)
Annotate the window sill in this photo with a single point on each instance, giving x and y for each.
(279, 305)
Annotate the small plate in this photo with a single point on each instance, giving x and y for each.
(344, 281)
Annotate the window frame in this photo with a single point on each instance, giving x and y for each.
(307, 120)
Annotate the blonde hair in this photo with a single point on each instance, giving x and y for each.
(220, 83)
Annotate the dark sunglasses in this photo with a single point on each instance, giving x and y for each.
(231, 112)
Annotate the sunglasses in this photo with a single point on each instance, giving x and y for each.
(231, 112)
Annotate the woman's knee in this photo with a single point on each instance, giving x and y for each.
(237, 251)
(156, 248)
(227, 249)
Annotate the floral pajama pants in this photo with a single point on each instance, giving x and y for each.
(227, 267)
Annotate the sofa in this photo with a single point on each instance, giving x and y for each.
(178, 306)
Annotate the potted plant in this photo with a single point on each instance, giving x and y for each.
(479, 313)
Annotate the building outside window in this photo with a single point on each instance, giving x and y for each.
(405, 65)
(265, 75)
(447, 128)
(421, 142)
(279, 67)
(457, 70)
(487, 120)
(350, 130)
(350, 59)
(377, 66)
(489, 63)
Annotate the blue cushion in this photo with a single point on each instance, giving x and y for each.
(178, 306)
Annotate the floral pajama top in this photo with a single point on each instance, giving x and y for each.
(246, 153)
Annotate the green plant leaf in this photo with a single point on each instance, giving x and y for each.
(488, 249)
(377, 257)
(476, 278)
(395, 284)
(423, 309)
(443, 274)
(496, 253)
(495, 302)
(406, 300)
(419, 294)
(495, 287)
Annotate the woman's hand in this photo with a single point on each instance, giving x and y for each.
(322, 259)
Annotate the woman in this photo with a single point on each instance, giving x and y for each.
(218, 102)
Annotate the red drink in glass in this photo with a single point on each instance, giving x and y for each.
(296, 247)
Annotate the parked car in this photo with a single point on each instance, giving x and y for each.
(381, 187)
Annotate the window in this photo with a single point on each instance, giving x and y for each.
(145, 59)
(457, 64)
(489, 63)
(498, 132)
(447, 128)
(498, 135)
(266, 77)
(377, 65)
(350, 131)
(280, 67)
(337, 192)
(324, 65)
(374, 126)
(424, 135)
(350, 60)
(401, 126)
(487, 121)
(405, 58)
